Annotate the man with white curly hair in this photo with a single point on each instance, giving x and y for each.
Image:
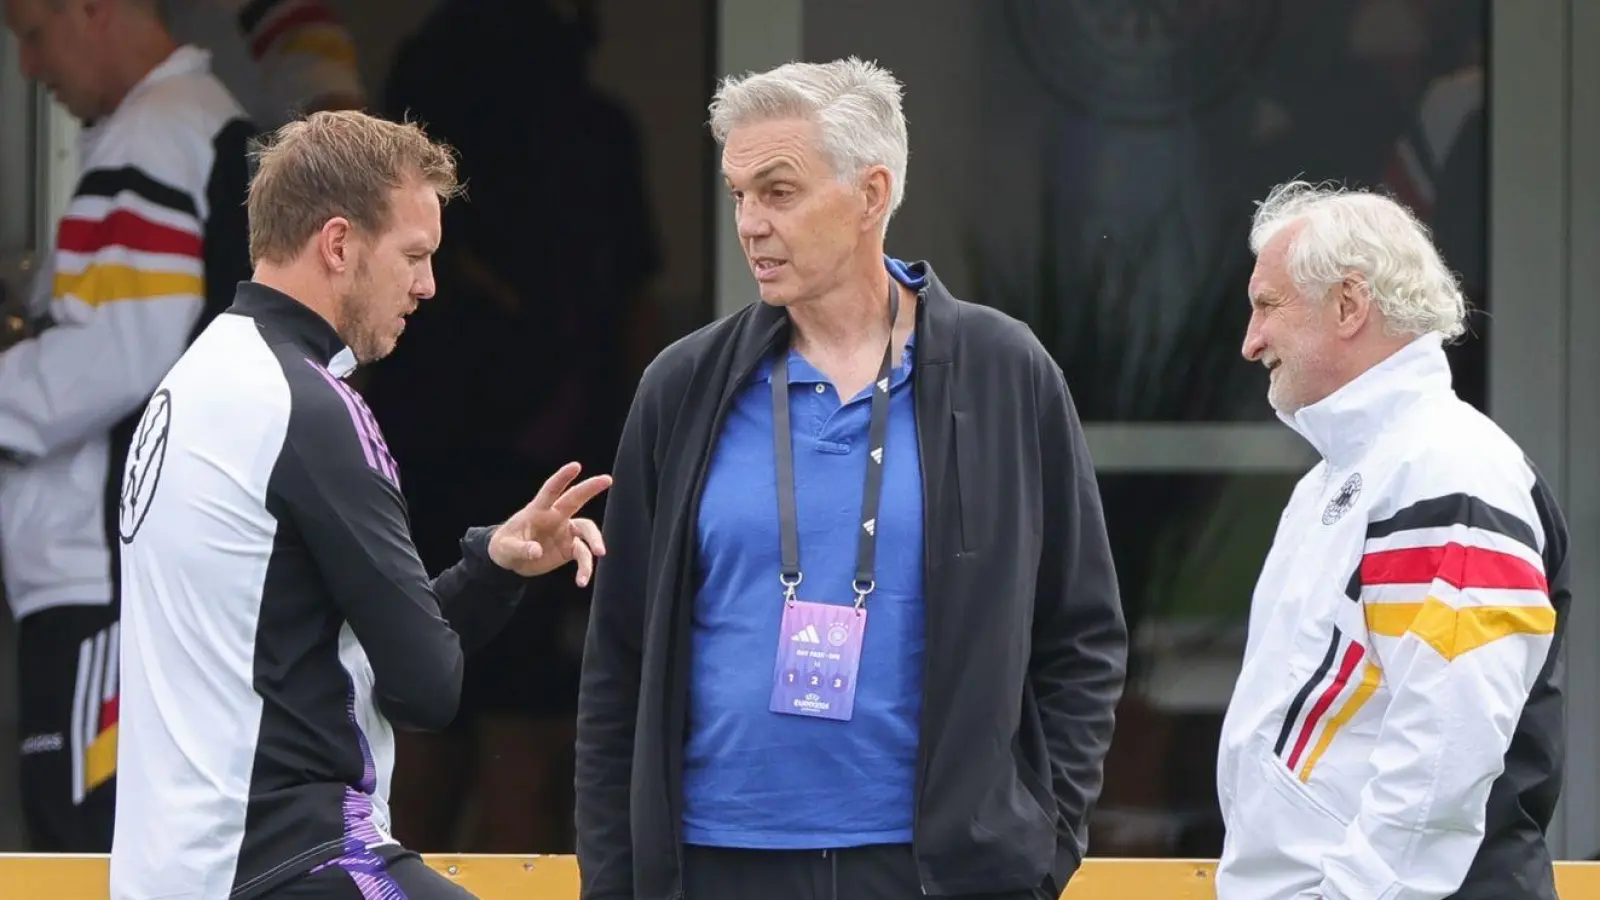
(859, 634)
(1397, 730)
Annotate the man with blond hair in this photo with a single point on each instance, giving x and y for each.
(854, 639)
(1397, 729)
(277, 621)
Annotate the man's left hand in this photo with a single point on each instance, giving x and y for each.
(543, 536)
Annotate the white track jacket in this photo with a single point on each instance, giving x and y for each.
(153, 242)
(1396, 732)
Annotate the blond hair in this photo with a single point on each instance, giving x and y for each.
(340, 163)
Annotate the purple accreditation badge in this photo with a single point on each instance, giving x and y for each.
(819, 654)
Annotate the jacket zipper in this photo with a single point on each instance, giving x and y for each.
(922, 744)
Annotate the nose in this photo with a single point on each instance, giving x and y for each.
(424, 286)
(1255, 343)
(752, 223)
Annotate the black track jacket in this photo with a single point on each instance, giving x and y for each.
(1025, 635)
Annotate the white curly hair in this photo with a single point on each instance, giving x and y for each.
(1355, 233)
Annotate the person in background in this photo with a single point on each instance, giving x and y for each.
(859, 624)
(1397, 728)
(281, 59)
(1437, 169)
(545, 273)
(150, 247)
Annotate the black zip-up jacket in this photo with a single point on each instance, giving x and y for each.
(1025, 634)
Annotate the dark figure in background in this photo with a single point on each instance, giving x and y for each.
(1438, 169)
(522, 364)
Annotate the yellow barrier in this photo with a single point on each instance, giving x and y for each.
(556, 878)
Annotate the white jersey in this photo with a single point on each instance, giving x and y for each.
(152, 243)
(1396, 731)
(275, 619)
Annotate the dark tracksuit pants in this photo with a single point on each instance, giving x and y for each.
(861, 873)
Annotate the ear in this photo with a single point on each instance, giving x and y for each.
(876, 183)
(336, 244)
(1354, 297)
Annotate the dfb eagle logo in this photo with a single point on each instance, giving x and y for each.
(146, 452)
(1341, 503)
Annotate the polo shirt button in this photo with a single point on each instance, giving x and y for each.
(821, 388)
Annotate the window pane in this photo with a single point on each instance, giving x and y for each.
(1188, 549)
(1091, 166)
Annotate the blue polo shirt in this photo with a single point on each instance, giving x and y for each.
(758, 779)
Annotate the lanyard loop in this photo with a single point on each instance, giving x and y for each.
(783, 444)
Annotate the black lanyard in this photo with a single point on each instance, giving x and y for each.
(783, 443)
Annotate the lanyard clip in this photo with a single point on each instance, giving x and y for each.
(863, 588)
(789, 584)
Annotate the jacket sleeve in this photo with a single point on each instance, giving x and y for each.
(338, 486)
(307, 57)
(1079, 659)
(125, 288)
(608, 689)
(1453, 587)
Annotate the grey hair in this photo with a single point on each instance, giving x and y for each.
(1361, 234)
(855, 105)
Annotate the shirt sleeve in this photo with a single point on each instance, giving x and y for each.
(1454, 590)
(307, 57)
(126, 285)
(339, 486)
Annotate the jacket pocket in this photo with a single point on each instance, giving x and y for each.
(1277, 833)
(1295, 794)
(1031, 750)
(1011, 829)
(967, 466)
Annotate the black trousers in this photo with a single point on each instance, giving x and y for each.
(404, 878)
(67, 714)
(885, 872)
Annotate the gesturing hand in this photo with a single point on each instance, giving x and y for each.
(543, 536)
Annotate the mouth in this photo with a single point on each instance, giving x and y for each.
(767, 267)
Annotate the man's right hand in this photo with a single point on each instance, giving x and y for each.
(545, 534)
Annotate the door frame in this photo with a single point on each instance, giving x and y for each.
(1544, 226)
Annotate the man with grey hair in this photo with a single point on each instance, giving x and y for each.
(1397, 729)
(856, 638)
